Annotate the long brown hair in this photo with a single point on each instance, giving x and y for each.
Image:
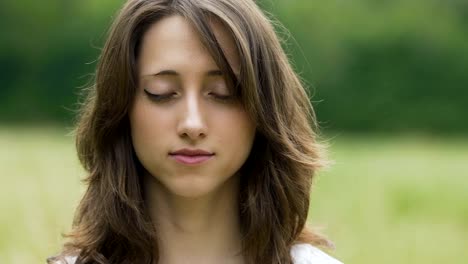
(111, 224)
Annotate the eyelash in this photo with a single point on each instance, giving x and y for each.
(165, 97)
(224, 98)
(159, 97)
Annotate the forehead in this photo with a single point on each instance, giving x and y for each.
(174, 42)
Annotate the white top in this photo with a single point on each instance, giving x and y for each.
(300, 253)
(308, 254)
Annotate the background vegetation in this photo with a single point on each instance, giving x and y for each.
(386, 200)
(390, 89)
(374, 65)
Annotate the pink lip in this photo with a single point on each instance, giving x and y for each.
(191, 152)
(191, 160)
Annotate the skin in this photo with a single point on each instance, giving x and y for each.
(194, 207)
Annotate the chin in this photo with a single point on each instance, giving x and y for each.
(196, 187)
(191, 187)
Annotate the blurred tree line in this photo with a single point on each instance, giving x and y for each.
(372, 65)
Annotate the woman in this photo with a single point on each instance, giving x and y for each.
(198, 142)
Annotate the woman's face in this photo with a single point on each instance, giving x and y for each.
(182, 102)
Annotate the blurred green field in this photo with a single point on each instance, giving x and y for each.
(385, 200)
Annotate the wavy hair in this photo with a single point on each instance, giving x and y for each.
(111, 224)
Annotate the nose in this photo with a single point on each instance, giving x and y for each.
(192, 124)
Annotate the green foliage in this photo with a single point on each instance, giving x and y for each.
(382, 65)
(47, 52)
(372, 65)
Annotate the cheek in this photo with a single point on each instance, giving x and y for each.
(148, 128)
(146, 121)
(237, 131)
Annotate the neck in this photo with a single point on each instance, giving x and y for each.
(196, 229)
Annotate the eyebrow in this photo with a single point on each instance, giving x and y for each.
(174, 73)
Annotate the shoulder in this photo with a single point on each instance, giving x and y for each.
(308, 254)
(64, 260)
(301, 254)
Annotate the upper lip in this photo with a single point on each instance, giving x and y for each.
(191, 152)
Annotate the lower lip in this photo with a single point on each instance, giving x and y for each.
(191, 160)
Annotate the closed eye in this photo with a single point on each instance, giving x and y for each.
(221, 97)
(160, 97)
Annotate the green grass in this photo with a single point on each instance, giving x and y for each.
(385, 200)
(395, 200)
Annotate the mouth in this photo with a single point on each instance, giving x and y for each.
(191, 152)
(191, 156)
(191, 159)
